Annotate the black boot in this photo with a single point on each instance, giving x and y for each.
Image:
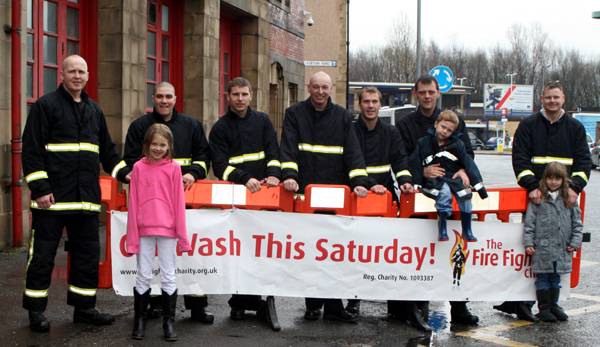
(545, 306)
(460, 314)
(92, 316)
(38, 322)
(417, 315)
(557, 310)
(140, 304)
(169, 304)
(523, 311)
(467, 233)
(353, 306)
(200, 315)
(442, 222)
(507, 307)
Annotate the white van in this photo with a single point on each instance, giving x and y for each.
(391, 115)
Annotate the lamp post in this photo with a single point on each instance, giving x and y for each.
(418, 72)
(461, 79)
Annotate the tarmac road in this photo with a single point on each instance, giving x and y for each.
(373, 329)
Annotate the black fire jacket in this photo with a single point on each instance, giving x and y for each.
(64, 143)
(384, 154)
(244, 148)
(537, 143)
(321, 147)
(190, 150)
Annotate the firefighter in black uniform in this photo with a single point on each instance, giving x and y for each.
(383, 152)
(64, 141)
(244, 150)
(412, 127)
(191, 151)
(318, 145)
(547, 136)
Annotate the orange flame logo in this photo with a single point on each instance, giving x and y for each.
(459, 254)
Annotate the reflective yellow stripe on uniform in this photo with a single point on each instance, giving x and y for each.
(379, 169)
(403, 173)
(82, 291)
(117, 168)
(307, 147)
(289, 165)
(247, 157)
(36, 293)
(547, 160)
(72, 147)
(201, 163)
(524, 173)
(275, 163)
(183, 161)
(580, 174)
(357, 172)
(228, 172)
(38, 175)
(70, 206)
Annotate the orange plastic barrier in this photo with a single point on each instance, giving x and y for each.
(324, 198)
(114, 200)
(501, 201)
(373, 205)
(223, 194)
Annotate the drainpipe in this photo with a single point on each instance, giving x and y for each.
(347, 54)
(15, 95)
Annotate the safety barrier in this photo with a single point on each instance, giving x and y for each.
(327, 199)
(501, 202)
(113, 199)
(223, 194)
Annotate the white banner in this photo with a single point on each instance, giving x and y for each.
(312, 255)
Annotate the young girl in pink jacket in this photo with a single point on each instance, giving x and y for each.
(156, 216)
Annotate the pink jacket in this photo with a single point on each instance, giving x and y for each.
(156, 203)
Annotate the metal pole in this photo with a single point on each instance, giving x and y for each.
(15, 90)
(418, 39)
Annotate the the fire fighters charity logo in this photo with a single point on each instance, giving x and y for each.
(458, 257)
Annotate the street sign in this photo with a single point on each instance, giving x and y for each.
(504, 112)
(444, 77)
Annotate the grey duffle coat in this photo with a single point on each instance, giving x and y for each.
(550, 227)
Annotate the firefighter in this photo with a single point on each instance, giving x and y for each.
(65, 140)
(412, 127)
(244, 150)
(547, 136)
(318, 145)
(191, 151)
(383, 152)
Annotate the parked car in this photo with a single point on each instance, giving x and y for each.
(595, 153)
(491, 143)
(476, 142)
(391, 115)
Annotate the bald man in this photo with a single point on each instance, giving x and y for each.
(64, 142)
(319, 145)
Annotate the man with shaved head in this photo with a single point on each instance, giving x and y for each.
(318, 145)
(192, 153)
(64, 141)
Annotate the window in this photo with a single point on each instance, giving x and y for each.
(159, 43)
(293, 93)
(53, 33)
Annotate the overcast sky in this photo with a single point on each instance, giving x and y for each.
(478, 23)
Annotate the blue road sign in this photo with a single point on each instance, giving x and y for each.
(444, 77)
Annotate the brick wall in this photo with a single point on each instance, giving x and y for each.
(287, 44)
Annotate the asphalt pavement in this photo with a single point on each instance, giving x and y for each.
(373, 329)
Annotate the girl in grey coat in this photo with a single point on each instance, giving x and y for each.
(553, 231)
